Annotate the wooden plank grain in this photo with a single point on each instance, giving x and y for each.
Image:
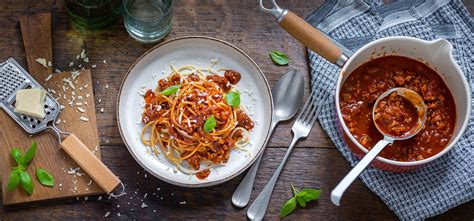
(36, 32)
(240, 23)
(322, 168)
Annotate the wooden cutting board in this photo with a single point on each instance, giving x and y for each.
(36, 32)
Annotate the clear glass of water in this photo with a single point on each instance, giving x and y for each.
(148, 20)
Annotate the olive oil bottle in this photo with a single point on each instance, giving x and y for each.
(94, 14)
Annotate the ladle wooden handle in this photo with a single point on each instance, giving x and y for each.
(97, 170)
(310, 37)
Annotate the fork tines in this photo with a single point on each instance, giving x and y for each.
(312, 107)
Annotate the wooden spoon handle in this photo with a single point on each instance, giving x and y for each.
(97, 170)
(310, 37)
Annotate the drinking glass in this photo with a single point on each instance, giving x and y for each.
(148, 20)
(94, 14)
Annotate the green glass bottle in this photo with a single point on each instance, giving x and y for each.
(94, 14)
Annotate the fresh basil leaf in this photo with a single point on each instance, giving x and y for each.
(288, 207)
(44, 177)
(279, 58)
(17, 156)
(232, 99)
(30, 154)
(171, 90)
(13, 180)
(300, 199)
(210, 124)
(26, 182)
(310, 194)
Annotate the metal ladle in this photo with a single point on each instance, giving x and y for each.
(421, 109)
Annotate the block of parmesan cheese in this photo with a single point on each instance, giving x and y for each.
(30, 102)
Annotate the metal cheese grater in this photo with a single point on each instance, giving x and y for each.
(13, 78)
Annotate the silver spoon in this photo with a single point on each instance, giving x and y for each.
(421, 109)
(287, 95)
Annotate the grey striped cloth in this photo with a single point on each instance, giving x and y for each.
(446, 182)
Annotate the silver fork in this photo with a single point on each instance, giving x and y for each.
(301, 129)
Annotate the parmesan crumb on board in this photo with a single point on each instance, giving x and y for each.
(69, 82)
(85, 119)
(81, 110)
(107, 214)
(49, 77)
(83, 54)
(144, 205)
(42, 61)
(101, 110)
(104, 61)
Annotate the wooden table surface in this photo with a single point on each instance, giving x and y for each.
(314, 163)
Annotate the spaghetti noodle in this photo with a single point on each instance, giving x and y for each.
(195, 117)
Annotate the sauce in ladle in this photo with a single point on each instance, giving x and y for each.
(396, 116)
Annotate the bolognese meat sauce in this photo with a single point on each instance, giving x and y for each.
(367, 82)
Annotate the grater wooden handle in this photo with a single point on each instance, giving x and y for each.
(97, 170)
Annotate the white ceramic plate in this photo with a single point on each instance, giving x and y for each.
(197, 51)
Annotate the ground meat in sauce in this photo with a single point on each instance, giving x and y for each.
(232, 76)
(192, 77)
(221, 81)
(396, 116)
(370, 80)
(203, 174)
(244, 121)
(164, 83)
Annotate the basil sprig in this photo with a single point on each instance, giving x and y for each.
(171, 90)
(232, 99)
(279, 58)
(210, 124)
(19, 175)
(299, 197)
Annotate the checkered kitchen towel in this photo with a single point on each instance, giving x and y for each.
(446, 182)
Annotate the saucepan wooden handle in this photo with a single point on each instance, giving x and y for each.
(310, 37)
(97, 170)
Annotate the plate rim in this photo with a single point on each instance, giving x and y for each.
(204, 184)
